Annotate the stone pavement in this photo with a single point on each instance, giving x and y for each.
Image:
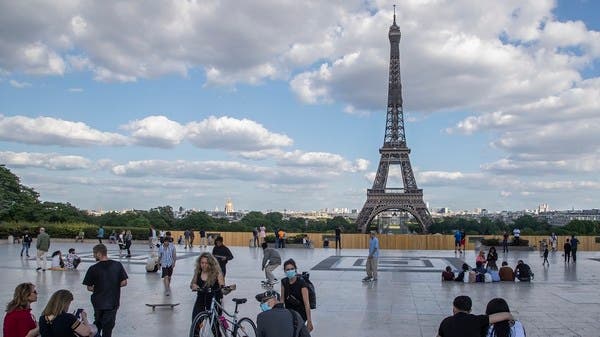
(408, 300)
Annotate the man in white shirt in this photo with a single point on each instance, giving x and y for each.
(516, 234)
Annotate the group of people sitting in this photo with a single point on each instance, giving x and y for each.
(69, 263)
(486, 270)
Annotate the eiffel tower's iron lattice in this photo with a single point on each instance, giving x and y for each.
(394, 152)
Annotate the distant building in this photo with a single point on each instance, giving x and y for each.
(228, 206)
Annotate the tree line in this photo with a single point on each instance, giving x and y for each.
(20, 208)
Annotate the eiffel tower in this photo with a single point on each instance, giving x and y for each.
(394, 152)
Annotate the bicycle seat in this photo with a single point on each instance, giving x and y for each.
(239, 300)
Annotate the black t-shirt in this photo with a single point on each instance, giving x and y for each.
(464, 325)
(293, 295)
(338, 232)
(106, 277)
(62, 325)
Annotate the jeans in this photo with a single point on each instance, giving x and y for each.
(372, 267)
(25, 248)
(269, 272)
(105, 321)
(574, 254)
(338, 241)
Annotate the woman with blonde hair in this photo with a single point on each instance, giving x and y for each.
(19, 321)
(207, 282)
(55, 320)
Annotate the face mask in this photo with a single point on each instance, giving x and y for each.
(290, 273)
(265, 307)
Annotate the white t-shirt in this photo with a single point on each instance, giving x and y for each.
(516, 330)
(516, 232)
(55, 262)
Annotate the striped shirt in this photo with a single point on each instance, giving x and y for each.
(167, 255)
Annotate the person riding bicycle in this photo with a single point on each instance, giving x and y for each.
(275, 320)
(207, 281)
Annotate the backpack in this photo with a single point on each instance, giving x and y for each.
(312, 295)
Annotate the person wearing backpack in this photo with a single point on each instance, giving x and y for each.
(294, 292)
(523, 272)
(277, 321)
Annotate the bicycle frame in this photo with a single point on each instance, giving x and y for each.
(214, 314)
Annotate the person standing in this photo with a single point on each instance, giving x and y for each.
(26, 243)
(567, 248)
(263, 233)
(255, 237)
(271, 260)
(186, 238)
(457, 236)
(372, 258)
(294, 292)
(464, 324)
(19, 321)
(152, 237)
(167, 256)
(105, 280)
(553, 240)
(277, 321)
(207, 282)
(100, 234)
(574, 244)
(463, 240)
(338, 238)
(281, 236)
(203, 239)
(545, 255)
(128, 239)
(505, 242)
(42, 245)
(222, 254)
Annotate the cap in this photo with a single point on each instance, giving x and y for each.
(267, 295)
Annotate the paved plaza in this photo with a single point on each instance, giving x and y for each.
(408, 300)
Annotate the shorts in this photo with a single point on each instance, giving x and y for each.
(457, 242)
(167, 271)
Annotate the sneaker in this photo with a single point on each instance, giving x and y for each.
(43, 269)
(38, 268)
(374, 280)
(366, 279)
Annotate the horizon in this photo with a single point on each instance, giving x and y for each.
(118, 106)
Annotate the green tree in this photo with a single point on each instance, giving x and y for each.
(17, 202)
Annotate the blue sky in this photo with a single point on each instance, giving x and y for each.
(115, 105)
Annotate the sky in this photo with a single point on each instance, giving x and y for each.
(281, 104)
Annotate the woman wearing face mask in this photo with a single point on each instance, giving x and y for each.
(19, 322)
(295, 293)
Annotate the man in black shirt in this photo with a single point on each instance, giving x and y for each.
(222, 254)
(464, 324)
(338, 238)
(104, 280)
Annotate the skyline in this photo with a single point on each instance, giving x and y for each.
(282, 106)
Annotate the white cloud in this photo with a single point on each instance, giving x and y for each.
(234, 134)
(51, 161)
(156, 131)
(53, 131)
(19, 85)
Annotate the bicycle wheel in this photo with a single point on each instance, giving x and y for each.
(245, 328)
(202, 326)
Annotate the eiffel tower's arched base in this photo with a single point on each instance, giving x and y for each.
(381, 201)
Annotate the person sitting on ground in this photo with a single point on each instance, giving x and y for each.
(480, 257)
(448, 274)
(465, 324)
(491, 259)
(72, 260)
(506, 272)
(57, 321)
(505, 328)
(479, 268)
(57, 261)
(523, 272)
(461, 276)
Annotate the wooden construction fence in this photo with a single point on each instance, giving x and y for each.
(400, 241)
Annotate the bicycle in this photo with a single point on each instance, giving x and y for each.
(212, 324)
